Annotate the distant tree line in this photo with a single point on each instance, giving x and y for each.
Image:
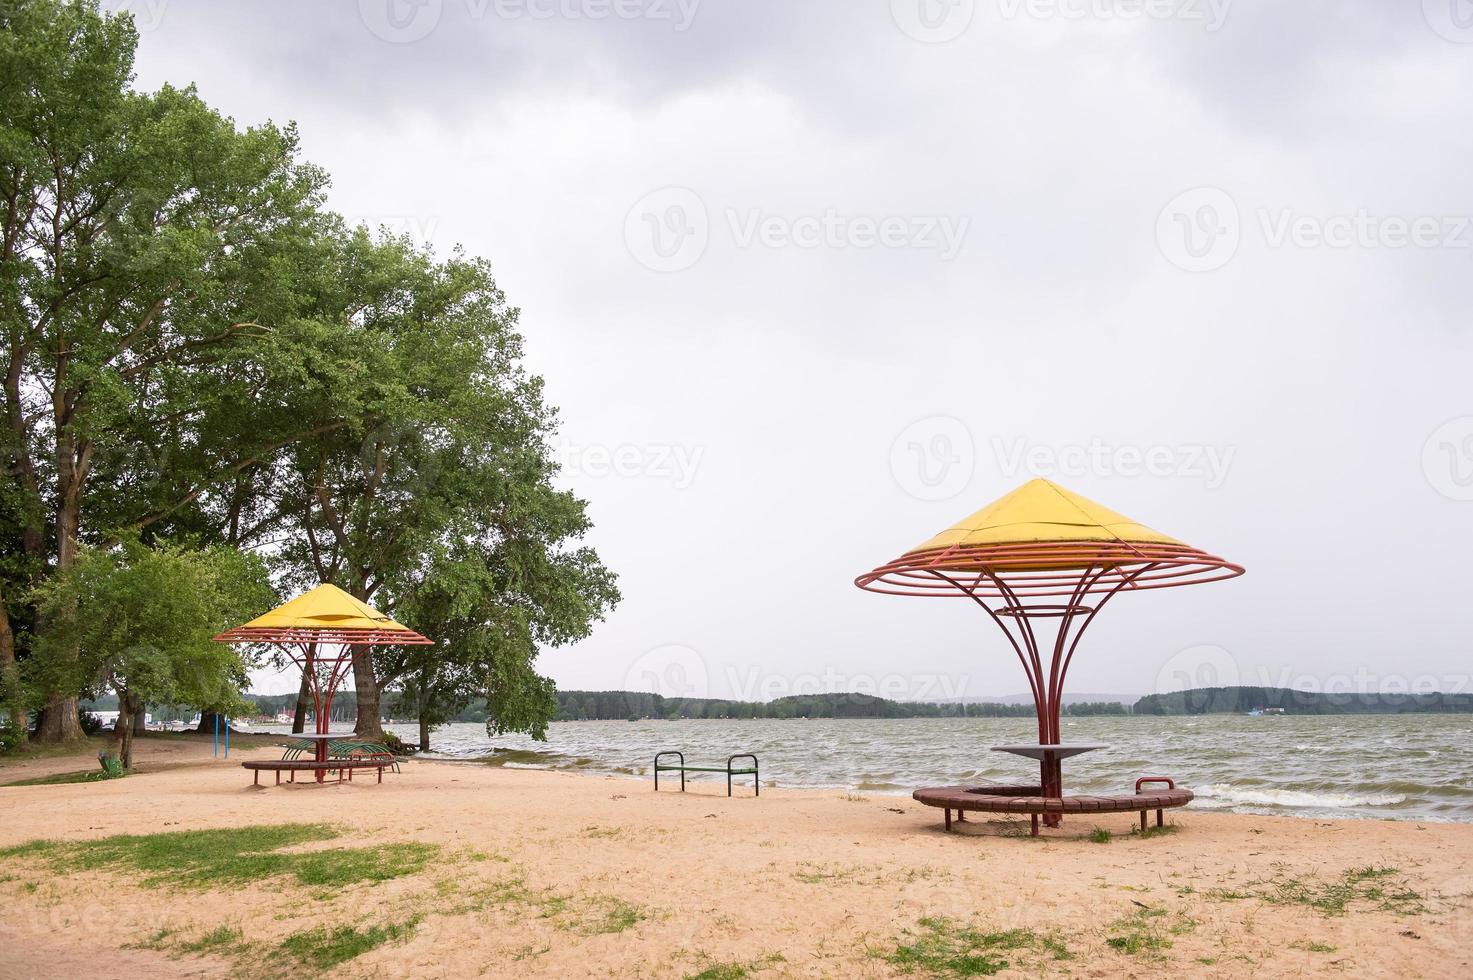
(1230, 700)
(632, 705)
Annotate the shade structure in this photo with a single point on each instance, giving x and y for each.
(319, 631)
(326, 614)
(1043, 553)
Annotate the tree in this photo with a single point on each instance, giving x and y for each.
(489, 605)
(147, 245)
(440, 486)
(140, 619)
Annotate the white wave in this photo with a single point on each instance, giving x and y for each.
(1233, 795)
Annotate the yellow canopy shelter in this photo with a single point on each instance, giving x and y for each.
(325, 606)
(1041, 510)
(1043, 553)
(319, 630)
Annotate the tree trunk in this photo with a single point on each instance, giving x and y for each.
(10, 694)
(207, 722)
(304, 701)
(368, 724)
(128, 709)
(424, 733)
(59, 722)
(140, 720)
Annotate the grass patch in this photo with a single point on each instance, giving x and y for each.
(232, 856)
(721, 971)
(594, 915)
(222, 939)
(1145, 931)
(1100, 836)
(944, 948)
(1313, 947)
(736, 971)
(323, 948)
(56, 779)
(1370, 885)
(1150, 832)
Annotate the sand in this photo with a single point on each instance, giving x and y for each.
(569, 875)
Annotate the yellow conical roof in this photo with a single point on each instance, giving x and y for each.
(325, 607)
(1041, 510)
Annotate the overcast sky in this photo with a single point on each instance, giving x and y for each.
(811, 281)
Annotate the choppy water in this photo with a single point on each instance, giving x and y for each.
(1401, 767)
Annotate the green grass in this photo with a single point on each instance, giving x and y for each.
(1145, 931)
(222, 939)
(1100, 835)
(721, 971)
(55, 779)
(323, 948)
(944, 948)
(618, 916)
(233, 856)
(1150, 832)
(1369, 885)
(1313, 947)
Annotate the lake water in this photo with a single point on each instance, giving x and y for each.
(1411, 767)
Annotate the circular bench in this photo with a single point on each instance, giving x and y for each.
(294, 766)
(1030, 800)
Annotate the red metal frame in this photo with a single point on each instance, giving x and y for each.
(303, 647)
(1021, 573)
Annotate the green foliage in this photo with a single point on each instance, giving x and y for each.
(11, 738)
(197, 352)
(322, 948)
(1100, 836)
(141, 619)
(233, 856)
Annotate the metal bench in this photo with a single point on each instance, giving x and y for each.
(730, 771)
(294, 766)
(1030, 800)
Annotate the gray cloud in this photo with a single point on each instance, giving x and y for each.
(1076, 150)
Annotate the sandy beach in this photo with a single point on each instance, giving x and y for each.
(537, 873)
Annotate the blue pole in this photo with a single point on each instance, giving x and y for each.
(216, 750)
(227, 738)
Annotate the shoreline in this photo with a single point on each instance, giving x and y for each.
(545, 873)
(171, 749)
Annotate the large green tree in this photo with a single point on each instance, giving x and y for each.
(140, 619)
(195, 350)
(438, 495)
(147, 249)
